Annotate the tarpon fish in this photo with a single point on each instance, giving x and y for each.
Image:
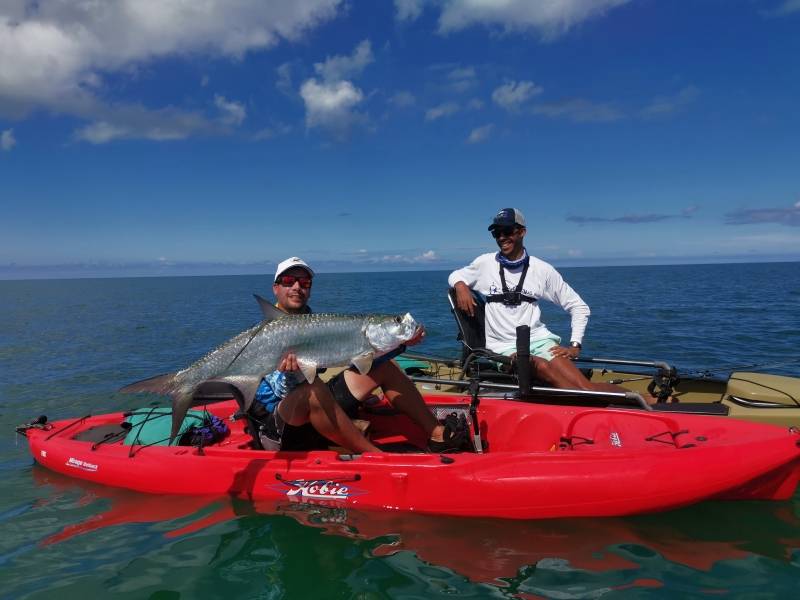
(319, 341)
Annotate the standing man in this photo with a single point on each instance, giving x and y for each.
(294, 415)
(512, 282)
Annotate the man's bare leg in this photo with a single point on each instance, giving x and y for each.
(314, 403)
(561, 372)
(399, 391)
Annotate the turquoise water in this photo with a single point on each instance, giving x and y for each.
(66, 345)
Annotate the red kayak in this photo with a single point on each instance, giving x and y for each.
(538, 461)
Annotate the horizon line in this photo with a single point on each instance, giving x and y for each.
(611, 264)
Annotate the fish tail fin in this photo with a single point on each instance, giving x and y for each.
(180, 406)
(160, 384)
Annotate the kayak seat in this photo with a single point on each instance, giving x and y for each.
(476, 359)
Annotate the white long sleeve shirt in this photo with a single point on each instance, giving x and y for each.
(542, 281)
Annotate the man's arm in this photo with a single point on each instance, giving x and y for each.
(559, 292)
(462, 280)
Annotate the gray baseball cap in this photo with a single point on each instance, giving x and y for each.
(508, 217)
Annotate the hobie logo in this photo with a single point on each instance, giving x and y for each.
(615, 439)
(80, 464)
(319, 489)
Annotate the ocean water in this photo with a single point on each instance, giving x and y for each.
(67, 345)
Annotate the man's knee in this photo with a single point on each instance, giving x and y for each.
(298, 404)
(384, 372)
(318, 393)
(540, 368)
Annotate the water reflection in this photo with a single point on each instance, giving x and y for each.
(587, 556)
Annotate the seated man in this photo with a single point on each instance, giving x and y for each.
(294, 414)
(512, 283)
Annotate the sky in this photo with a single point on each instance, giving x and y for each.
(178, 137)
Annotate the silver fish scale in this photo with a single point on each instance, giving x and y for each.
(328, 340)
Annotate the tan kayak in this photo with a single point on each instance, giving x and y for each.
(760, 397)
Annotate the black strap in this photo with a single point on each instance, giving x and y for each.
(502, 298)
(518, 289)
(515, 297)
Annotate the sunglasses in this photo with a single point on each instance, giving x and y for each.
(506, 231)
(290, 280)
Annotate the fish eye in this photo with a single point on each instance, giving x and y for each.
(398, 319)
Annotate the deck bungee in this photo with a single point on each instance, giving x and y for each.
(539, 461)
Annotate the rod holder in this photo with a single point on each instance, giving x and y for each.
(524, 359)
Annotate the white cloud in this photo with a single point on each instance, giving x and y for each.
(338, 68)
(462, 79)
(7, 140)
(787, 7)
(137, 122)
(666, 105)
(475, 104)
(205, 80)
(407, 10)
(330, 105)
(426, 257)
(268, 133)
(513, 94)
(480, 134)
(284, 83)
(443, 110)
(330, 102)
(101, 132)
(402, 100)
(54, 54)
(579, 110)
(233, 113)
(549, 18)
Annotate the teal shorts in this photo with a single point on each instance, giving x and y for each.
(540, 347)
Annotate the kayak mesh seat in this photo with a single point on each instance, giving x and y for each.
(476, 359)
(102, 433)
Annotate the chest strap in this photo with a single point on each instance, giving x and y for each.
(516, 297)
(511, 297)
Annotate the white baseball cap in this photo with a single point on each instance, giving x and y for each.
(290, 263)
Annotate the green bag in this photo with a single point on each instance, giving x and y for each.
(410, 364)
(152, 426)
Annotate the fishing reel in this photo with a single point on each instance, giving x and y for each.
(663, 384)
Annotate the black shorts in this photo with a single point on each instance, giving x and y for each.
(305, 437)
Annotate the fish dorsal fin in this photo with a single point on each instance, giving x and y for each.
(269, 310)
(363, 362)
(308, 368)
(160, 384)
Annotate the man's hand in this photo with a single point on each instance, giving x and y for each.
(570, 352)
(464, 299)
(419, 335)
(288, 363)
